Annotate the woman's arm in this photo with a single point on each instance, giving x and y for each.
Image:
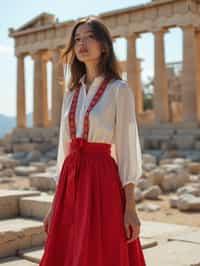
(128, 155)
(127, 143)
(130, 196)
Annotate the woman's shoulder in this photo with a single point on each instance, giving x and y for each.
(121, 88)
(120, 84)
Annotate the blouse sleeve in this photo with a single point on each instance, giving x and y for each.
(62, 143)
(127, 143)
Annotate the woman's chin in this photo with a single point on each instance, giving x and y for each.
(86, 60)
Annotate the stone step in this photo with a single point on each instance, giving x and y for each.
(16, 261)
(42, 181)
(193, 237)
(9, 201)
(174, 253)
(36, 206)
(162, 231)
(32, 254)
(19, 233)
(148, 243)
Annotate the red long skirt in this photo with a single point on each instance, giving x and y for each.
(87, 227)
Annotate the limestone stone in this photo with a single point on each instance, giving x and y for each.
(7, 172)
(175, 176)
(143, 183)
(17, 233)
(16, 261)
(25, 170)
(51, 168)
(194, 167)
(156, 176)
(166, 161)
(36, 206)
(42, 181)
(148, 207)
(173, 201)
(193, 237)
(32, 254)
(188, 202)
(40, 166)
(6, 180)
(194, 178)
(189, 189)
(19, 155)
(138, 195)
(24, 147)
(51, 155)
(8, 162)
(149, 166)
(155, 230)
(9, 201)
(148, 158)
(51, 163)
(173, 253)
(181, 161)
(184, 142)
(152, 192)
(148, 243)
(33, 156)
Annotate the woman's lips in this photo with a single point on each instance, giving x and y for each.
(83, 51)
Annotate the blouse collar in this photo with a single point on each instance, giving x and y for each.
(95, 83)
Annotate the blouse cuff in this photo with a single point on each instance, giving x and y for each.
(132, 181)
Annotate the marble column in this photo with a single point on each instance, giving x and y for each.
(21, 96)
(57, 86)
(40, 101)
(190, 75)
(133, 73)
(161, 102)
(198, 75)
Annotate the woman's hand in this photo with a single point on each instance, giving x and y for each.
(47, 221)
(132, 224)
(131, 220)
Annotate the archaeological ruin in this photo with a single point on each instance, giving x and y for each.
(175, 115)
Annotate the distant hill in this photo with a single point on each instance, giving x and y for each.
(7, 123)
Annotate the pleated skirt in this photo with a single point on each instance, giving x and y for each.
(87, 225)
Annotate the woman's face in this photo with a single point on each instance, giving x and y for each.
(86, 47)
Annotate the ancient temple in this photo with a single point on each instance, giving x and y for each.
(44, 37)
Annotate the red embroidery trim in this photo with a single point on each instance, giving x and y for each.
(72, 122)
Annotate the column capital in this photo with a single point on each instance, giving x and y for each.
(21, 56)
(40, 55)
(190, 26)
(131, 36)
(159, 30)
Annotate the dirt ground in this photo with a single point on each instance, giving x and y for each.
(165, 214)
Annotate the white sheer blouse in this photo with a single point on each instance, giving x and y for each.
(112, 120)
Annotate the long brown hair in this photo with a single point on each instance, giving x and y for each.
(108, 64)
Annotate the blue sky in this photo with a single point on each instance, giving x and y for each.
(14, 13)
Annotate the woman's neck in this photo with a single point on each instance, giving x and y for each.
(91, 73)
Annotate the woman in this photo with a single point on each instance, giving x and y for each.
(93, 219)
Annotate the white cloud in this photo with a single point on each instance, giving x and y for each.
(6, 50)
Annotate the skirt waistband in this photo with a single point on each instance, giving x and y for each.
(82, 145)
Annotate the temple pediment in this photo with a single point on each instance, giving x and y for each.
(41, 20)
